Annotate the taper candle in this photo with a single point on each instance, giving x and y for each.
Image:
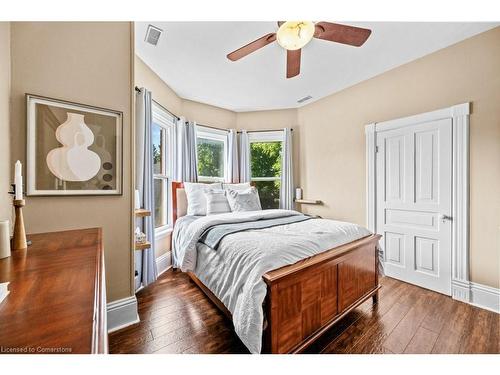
(18, 180)
(137, 200)
(4, 239)
(298, 193)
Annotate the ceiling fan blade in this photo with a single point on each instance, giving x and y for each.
(252, 47)
(292, 63)
(334, 32)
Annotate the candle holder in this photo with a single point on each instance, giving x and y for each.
(19, 239)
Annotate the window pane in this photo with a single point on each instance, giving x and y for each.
(210, 158)
(157, 149)
(265, 159)
(269, 193)
(160, 202)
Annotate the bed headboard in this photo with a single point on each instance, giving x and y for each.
(179, 201)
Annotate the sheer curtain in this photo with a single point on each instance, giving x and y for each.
(245, 173)
(233, 169)
(187, 168)
(144, 181)
(287, 187)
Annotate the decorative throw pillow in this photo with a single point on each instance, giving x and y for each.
(246, 200)
(237, 187)
(216, 202)
(195, 192)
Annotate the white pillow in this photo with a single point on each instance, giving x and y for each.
(245, 200)
(237, 187)
(195, 192)
(216, 202)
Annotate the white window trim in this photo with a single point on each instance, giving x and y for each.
(166, 121)
(271, 136)
(266, 178)
(215, 135)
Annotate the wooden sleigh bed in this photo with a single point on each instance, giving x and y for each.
(305, 299)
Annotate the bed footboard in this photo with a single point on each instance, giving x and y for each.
(305, 299)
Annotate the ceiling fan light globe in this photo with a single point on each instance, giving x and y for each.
(293, 35)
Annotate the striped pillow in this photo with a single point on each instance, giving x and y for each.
(197, 204)
(216, 202)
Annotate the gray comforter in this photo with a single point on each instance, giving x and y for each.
(213, 235)
(234, 271)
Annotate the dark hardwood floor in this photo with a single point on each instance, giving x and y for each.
(176, 317)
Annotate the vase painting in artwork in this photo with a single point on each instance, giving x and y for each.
(73, 161)
(72, 148)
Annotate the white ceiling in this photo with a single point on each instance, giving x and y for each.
(191, 58)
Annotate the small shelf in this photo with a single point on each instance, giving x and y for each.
(141, 212)
(308, 201)
(142, 245)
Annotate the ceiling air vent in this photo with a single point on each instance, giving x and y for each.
(153, 34)
(304, 99)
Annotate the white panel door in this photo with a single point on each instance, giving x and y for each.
(413, 210)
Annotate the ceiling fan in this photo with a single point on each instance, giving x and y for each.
(293, 35)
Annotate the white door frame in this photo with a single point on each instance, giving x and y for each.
(460, 282)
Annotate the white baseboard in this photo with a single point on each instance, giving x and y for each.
(122, 313)
(460, 290)
(483, 296)
(163, 263)
(486, 297)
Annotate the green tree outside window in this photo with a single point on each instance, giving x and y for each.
(210, 158)
(265, 162)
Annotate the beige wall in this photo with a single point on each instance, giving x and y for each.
(145, 77)
(86, 63)
(332, 145)
(5, 178)
(276, 119)
(259, 120)
(329, 139)
(203, 114)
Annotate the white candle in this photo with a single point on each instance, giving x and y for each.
(4, 239)
(298, 193)
(18, 181)
(137, 200)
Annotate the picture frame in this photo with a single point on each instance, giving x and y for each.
(72, 149)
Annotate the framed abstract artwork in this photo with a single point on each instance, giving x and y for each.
(72, 149)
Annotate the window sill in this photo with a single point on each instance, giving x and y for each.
(204, 179)
(163, 232)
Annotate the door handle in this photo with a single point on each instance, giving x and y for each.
(446, 217)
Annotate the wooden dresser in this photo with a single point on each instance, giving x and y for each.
(57, 300)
